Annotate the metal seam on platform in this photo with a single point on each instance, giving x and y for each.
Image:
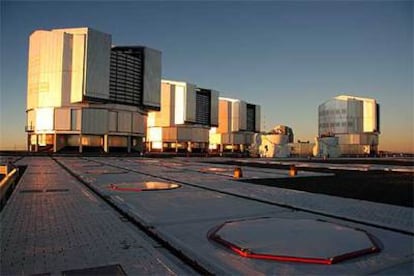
(146, 230)
(266, 201)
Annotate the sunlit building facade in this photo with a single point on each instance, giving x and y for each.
(84, 93)
(186, 116)
(354, 120)
(237, 123)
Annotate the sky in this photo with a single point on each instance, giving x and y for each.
(287, 56)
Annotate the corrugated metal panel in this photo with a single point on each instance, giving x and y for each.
(250, 117)
(369, 113)
(378, 118)
(152, 78)
(190, 103)
(226, 138)
(235, 117)
(358, 139)
(78, 59)
(225, 116)
(113, 121)
(139, 123)
(183, 134)
(333, 117)
(199, 135)
(31, 119)
(126, 76)
(66, 67)
(349, 139)
(354, 116)
(214, 108)
(238, 138)
(117, 141)
(33, 68)
(239, 116)
(124, 121)
(62, 119)
(75, 119)
(243, 115)
(169, 134)
(179, 103)
(98, 64)
(45, 69)
(94, 121)
(165, 117)
(258, 119)
(353, 149)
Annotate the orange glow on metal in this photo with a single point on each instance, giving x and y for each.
(249, 254)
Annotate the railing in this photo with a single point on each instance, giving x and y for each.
(6, 185)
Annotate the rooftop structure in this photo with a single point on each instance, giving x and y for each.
(132, 80)
(238, 121)
(354, 120)
(83, 93)
(187, 113)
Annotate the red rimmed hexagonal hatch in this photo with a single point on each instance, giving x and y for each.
(294, 240)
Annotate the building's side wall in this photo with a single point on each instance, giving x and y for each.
(238, 116)
(44, 120)
(165, 117)
(370, 116)
(62, 119)
(124, 122)
(152, 78)
(179, 103)
(78, 68)
(139, 123)
(45, 69)
(190, 103)
(214, 108)
(355, 117)
(98, 54)
(340, 116)
(125, 81)
(224, 117)
(94, 121)
(257, 118)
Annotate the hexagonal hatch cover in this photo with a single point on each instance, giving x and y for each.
(294, 240)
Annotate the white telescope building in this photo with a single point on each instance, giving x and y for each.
(84, 93)
(238, 122)
(186, 116)
(354, 120)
